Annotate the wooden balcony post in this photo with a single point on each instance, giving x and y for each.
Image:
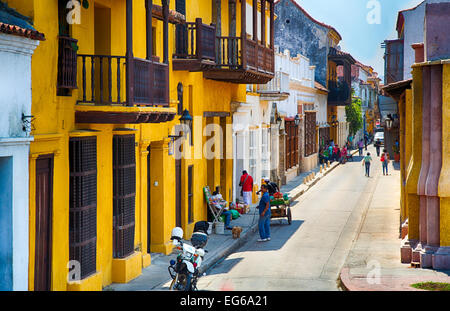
(263, 23)
(148, 25)
(272, 24)
(243, 33)
(255, 20)
(130, 64)
(198, 39)
(165, 5)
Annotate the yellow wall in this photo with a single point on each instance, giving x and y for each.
(444, 181)
(55, 124)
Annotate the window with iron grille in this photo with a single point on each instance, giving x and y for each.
(83, 203)
(124, 191)
(310, 133)
(190, 194)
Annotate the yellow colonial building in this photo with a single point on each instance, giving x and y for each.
(110, 86)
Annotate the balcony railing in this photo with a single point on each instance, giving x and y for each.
(228, 52)
(276, 88)
(259, 57)
(196, 41)
(248, 63)
(339, 93)
(104, 81)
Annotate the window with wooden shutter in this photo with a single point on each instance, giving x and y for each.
(67, 54)
(83, 203)
(310, 133)
(291, 144)
(124, 185)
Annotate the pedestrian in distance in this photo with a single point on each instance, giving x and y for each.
(246, 183)
(264, 215)
(360, 147)
(344, 155)
(385, 162)
(366, 162)
(378, 146)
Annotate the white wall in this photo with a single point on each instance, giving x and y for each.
(15, 100)
(414, 33)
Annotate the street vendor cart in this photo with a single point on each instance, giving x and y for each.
(280, 207)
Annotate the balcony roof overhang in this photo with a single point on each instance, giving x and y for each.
(240, 76)
(122, 114)
(396, 89)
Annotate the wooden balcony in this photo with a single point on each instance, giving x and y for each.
(104, 86)
(340, 92)
(195, 46)
(248, 63)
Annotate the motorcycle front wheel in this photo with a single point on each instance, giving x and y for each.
(181, 282)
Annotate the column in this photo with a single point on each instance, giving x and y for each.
(162, 216)
(431, 190)
(425, 165)
(415, 210)
(441, 259)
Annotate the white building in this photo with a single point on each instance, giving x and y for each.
(18, 40)
(298, 102)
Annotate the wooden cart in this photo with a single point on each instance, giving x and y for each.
(281, 210)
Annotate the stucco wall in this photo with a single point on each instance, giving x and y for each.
(300, 35)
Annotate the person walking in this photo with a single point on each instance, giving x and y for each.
(378, 146)
(344, 155)
(264, 215)
(360, 147)
(385, 162)
(366, 161)
(246, 183)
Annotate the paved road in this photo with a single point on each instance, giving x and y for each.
(308, 254)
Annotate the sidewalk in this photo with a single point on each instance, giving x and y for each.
(156, 276)
(373, 263)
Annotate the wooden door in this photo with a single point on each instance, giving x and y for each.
(44, 204)
(178, 193)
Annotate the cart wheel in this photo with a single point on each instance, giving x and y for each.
(289, 216)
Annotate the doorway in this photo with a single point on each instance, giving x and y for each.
(44, 205)
(6, 223)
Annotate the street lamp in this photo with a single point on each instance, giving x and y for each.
(297, 120)
(186, 118)
(389, 123)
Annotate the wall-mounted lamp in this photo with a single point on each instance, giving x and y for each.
(186, 118)
(297, 120)
(27, 124)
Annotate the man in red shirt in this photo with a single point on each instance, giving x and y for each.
(247, 187)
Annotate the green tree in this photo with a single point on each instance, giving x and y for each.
(354, 115)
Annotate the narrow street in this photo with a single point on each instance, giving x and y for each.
(308, 254)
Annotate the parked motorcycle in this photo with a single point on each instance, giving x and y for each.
(185, 269)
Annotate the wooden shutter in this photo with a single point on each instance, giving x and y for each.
(44, 203)
(124, 200)
(83, 203)
(310, 133)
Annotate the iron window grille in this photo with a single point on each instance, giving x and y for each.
(124, 195)
(83, 203)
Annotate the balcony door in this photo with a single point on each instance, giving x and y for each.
(102, 37)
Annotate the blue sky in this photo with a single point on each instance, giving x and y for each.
(349, 18)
